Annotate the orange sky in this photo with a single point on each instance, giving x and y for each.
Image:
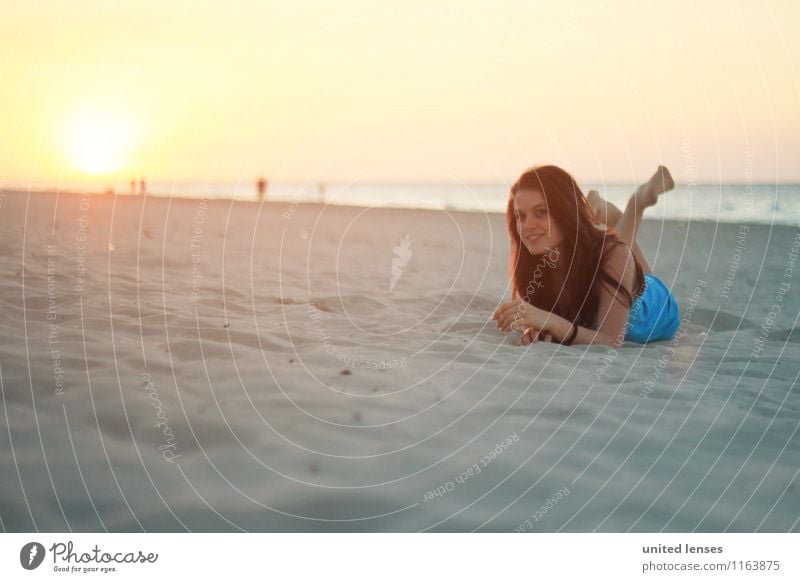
(433, 91)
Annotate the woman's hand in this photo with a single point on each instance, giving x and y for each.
(532, 335)
(519, 314)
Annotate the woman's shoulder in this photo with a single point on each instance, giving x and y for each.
(615, 251)
(619, 262)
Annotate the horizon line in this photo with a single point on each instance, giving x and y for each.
(10, 185)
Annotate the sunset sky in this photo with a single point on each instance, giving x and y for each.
(415, 91)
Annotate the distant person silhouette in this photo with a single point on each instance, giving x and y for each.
(322, 189)
(143, 187)
(133, 186)
(262, 185)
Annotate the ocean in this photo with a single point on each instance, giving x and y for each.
(725, 203)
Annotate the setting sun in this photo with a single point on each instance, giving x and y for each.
(98, 140)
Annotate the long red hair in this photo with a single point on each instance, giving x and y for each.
(584, 250)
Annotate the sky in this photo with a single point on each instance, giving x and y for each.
(419, 91)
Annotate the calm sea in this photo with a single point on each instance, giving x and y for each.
(734, 203)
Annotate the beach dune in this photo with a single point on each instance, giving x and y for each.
(215, 365)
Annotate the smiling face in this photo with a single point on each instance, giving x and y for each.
(536, 230)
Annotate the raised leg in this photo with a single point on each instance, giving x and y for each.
(604, 211)
(608, 214)
(627, 223)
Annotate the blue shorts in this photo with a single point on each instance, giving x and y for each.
(654, 315)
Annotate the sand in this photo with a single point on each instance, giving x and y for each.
(172, 365)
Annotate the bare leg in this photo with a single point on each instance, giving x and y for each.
(608, 214)
(604, 211)
(627, 223)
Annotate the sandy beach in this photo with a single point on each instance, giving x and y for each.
(174, 365)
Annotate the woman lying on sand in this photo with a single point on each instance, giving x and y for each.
(574, 281)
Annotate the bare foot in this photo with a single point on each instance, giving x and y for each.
(604, 211)
(595, 202)
(647, 194)
(593, 196)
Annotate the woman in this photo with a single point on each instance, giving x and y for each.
(575, 282)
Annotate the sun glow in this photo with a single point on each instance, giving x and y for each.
(147, 88)
(99, 140)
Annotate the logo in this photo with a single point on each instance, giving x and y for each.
(31, 555)
(402, 254)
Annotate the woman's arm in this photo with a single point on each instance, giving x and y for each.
(613, 310)
(612, 313)
(532, 335)
(561, 329)
(519, 315)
